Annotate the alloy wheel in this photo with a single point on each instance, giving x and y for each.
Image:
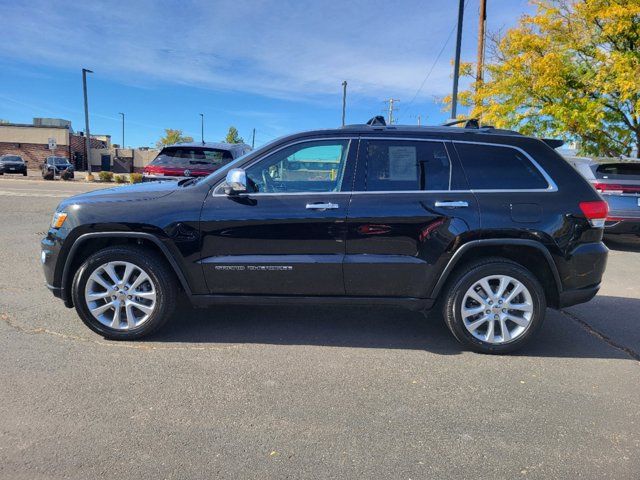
(497, 309)
(120, 295)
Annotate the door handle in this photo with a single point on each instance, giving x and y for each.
(322, 206)
(458, 204)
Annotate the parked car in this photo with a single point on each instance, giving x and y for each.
(57, 165)
(487, 225)
(12, 164)
(618, 182)
(192, 160)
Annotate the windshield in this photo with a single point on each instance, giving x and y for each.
(173, 156)
(12, 158)
(59, 160)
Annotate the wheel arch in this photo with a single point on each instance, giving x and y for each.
(88, 243)
(538, 260)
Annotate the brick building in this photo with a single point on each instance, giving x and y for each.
(31, 142)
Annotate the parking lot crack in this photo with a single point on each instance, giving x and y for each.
(601, 336)
(137, 346)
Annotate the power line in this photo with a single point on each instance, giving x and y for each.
(435, 62)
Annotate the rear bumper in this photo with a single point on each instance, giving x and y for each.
(622, 226)
(577, 295)
(580, 272)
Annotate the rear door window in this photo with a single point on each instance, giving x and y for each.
(497, 167)
(405, 165)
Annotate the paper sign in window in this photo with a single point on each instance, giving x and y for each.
(402, 163)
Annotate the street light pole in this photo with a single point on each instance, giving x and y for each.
(122, 129)
(344, 100)
(456, 70)
(202, 127)
(87, 141)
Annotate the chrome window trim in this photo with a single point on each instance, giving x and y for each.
(349, 138)
(552, 187)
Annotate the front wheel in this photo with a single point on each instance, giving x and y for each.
(494, 306)
(124, 292)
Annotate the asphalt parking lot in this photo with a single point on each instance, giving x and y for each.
(264, 392)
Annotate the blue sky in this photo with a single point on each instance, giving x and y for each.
(276, 66)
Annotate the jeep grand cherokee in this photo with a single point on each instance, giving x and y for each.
(487, 225)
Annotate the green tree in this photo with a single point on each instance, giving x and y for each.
(570, 71)
(233, 136)
(172, 136)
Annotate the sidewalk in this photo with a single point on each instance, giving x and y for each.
(35, 175)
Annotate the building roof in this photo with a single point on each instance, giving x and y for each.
(31, 125)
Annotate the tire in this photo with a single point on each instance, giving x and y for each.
(138, 315)
(24, 174)
(520, 324)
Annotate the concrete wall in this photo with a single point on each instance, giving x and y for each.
(142, 158)
(33, 135)
(96, 157)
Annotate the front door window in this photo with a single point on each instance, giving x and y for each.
(306, 167)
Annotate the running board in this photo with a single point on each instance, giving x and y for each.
(410, 303)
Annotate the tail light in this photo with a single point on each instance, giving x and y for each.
(615, 188)
(596, 212)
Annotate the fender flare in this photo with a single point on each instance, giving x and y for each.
(66, 272)
(453, 261)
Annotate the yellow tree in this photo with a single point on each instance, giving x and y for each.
(172, 136)
(572, 70)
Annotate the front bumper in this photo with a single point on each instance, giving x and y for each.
(49, 254)
(13, 169)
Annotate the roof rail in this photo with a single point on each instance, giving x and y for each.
(468, 123)
(377, 121)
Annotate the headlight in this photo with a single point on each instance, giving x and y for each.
(58, 219)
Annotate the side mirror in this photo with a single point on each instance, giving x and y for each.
(236, 181)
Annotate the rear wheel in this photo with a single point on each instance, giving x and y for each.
(124, 292)
(494, 305)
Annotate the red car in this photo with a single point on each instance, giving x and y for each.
(192, 160)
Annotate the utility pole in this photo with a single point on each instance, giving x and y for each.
(202, 127)
(419, 119)
(344, 100)
(87, 141)
(481, 36)
(390, 115)
(456, 70)
(253, 138)
(122, 130)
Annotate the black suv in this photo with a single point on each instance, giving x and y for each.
(488, 225)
